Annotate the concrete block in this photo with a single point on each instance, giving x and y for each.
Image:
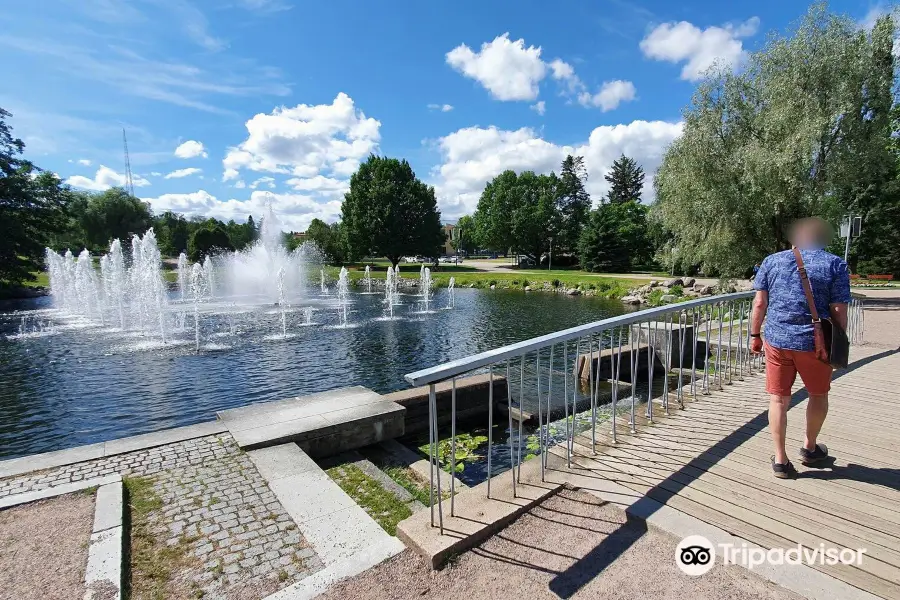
(278, 462)
(477, 516)
(108, 507)
(104, 561)
(310, 495)
(471, 400)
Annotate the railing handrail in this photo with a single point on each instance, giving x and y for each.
(459, 366)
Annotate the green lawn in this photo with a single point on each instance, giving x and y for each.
(611, 287)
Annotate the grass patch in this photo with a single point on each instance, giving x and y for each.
(153, 563)
(409, 481)
(380, 504)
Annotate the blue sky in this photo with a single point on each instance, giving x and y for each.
(232, 103)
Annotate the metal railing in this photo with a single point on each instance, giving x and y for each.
(670, 351)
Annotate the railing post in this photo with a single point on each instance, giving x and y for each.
(490, 427)
(512, 456)
(453, 447)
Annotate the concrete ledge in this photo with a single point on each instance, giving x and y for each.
(471, 400)
(70, 456)
(106, 552)
(477, 516)
(59, 490)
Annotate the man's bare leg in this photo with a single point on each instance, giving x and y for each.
(816, 411)
(778, 406)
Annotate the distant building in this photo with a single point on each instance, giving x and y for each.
(449, 238)
(300, 236)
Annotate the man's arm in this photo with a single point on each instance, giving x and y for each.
(839, 314)
(760, 306)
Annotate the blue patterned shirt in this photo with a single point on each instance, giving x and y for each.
(788, 320)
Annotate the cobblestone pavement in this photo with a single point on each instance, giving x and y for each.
(214, 498)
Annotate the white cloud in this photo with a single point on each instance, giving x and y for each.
(320, 184)
(269, 181)
(84, 162)
(191, 149)
(294, 211)
(155, 173)
(239, 184)
(539, 107)
(441, 107)
(306, 141)
(473, 156)
(183, 173)
(611, 94)
(104, 179)
(698, 48)
(507, 69)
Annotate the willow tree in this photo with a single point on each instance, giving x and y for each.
(801, 130)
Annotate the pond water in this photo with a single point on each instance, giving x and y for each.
(66, 382)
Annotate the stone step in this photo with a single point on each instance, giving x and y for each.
(321, 424)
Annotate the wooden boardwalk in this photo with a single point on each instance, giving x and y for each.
(712, 461)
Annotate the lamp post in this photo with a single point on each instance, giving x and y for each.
(850, 228)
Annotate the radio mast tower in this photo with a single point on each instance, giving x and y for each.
(129, 180)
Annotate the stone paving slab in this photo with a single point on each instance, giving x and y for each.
(108, 507)
(27, 495)
(339, 530)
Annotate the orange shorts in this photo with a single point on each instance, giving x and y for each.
(783, 365)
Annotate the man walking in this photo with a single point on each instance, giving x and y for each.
(789, 341)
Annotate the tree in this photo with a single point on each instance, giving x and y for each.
(574, 201)
(601, 248)
(390, 212)
(114, 214)
(802, 130)
(626, 181)
(32, 204)
(329, 239)
(209, 239)
(616, 239)
(519, 213)
(464, 240)
(172, 233)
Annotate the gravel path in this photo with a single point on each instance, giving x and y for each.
(44, 548)
(570, 546)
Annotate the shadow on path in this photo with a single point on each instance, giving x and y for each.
(571, 580)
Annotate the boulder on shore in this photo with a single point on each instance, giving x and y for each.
(653, 283)
(631, 300)
(668, 298)
(672, 282)
(574, 292)
(703, 290)
(527, 288)
(688, 282)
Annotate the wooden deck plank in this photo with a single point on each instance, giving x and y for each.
(710, 460)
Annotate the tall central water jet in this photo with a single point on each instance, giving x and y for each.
(368, 279)
(451, 288)
(390, 291)
(198, 290)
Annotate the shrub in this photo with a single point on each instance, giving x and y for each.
(556, 283)
(677, 290)
(492, 282)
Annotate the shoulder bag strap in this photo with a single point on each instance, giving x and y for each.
(807, 288)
